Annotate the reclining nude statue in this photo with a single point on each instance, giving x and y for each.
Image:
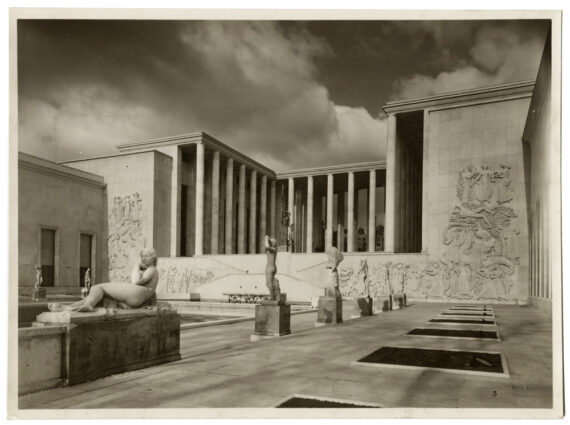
(271, 268)
(144, 279)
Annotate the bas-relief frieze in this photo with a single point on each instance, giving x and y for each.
(479, 248)
(125, 239)
(181, 279)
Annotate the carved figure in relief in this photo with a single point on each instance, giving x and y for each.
(271, 268)
(129, 295)
(125, 234)
(334, 257)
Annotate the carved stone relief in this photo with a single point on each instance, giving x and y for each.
(480, 248)
(181, 279)
(125, 238)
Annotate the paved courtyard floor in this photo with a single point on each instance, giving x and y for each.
(220, 367)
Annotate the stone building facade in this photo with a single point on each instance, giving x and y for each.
(465, 178)
(61, 225)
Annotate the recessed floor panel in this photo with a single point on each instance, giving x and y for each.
(458, 333)
(303, 401)
(439, 359)
(467, 314)
(465, 321)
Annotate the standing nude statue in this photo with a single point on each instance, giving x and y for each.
(87, 283)
(127, 295)
(271, 268)
(334, 258)
(39, 278)
(363, 276)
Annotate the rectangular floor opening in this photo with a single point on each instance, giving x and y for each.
(465, 321)
(440, 359)
(458, 333)
(467, 314)
(304, 401)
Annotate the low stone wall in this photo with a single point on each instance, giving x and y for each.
(97, 345)
(40, 351)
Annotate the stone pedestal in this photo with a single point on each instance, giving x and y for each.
(382, 304)
(99, 344)
(272, 319)
(39, 294)
(362, 306)
(398, 301)
(329, 311)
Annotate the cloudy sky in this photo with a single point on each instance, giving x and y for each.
(289, 94)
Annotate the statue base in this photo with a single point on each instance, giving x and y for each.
(362, 306)
(382, 304)
(271, 320)
(398, 301)
(39, 294)
(281, 301)
(329, 311)
(103, 343)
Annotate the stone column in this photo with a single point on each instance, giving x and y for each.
(262, 213)
(372, 212)
(350, 214)
(215, 203)
(427, 202)
(272, 211)
(309, 214)
(329, 230)
(390, 218)
(253, 212)
(199, 226)
(291, 201)
(340, 221)
(241, 211)
(229, 205)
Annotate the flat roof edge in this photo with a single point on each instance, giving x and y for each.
(333, 169)
(459, 96)
(36, 163)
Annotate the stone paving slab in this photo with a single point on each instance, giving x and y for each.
(221, 368)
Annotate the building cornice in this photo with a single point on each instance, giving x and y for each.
(95, 158)
(492, 93)
(333, 169)
(196, 138)
(43, 166)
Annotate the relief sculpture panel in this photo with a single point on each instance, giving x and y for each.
(479, 248)
(125, 239)
(181, 279)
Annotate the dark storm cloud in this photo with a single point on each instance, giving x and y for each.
(497, 52)
(289, 94)
(87, 86)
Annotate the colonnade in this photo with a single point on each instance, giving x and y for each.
(237, 226)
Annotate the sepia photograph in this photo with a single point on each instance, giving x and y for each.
(285, 214)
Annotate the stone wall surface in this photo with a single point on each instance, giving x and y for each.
(98, 345)
(476, 211)
(136, 193)
(39, 358)
(303, 277)
(70, 203)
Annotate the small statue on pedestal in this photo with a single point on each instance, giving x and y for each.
(39, 278)
(272, 317)
(38, 292)
(330, 305)
(334, 257)
(363, 276)
(271, 269)
(87, 284)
